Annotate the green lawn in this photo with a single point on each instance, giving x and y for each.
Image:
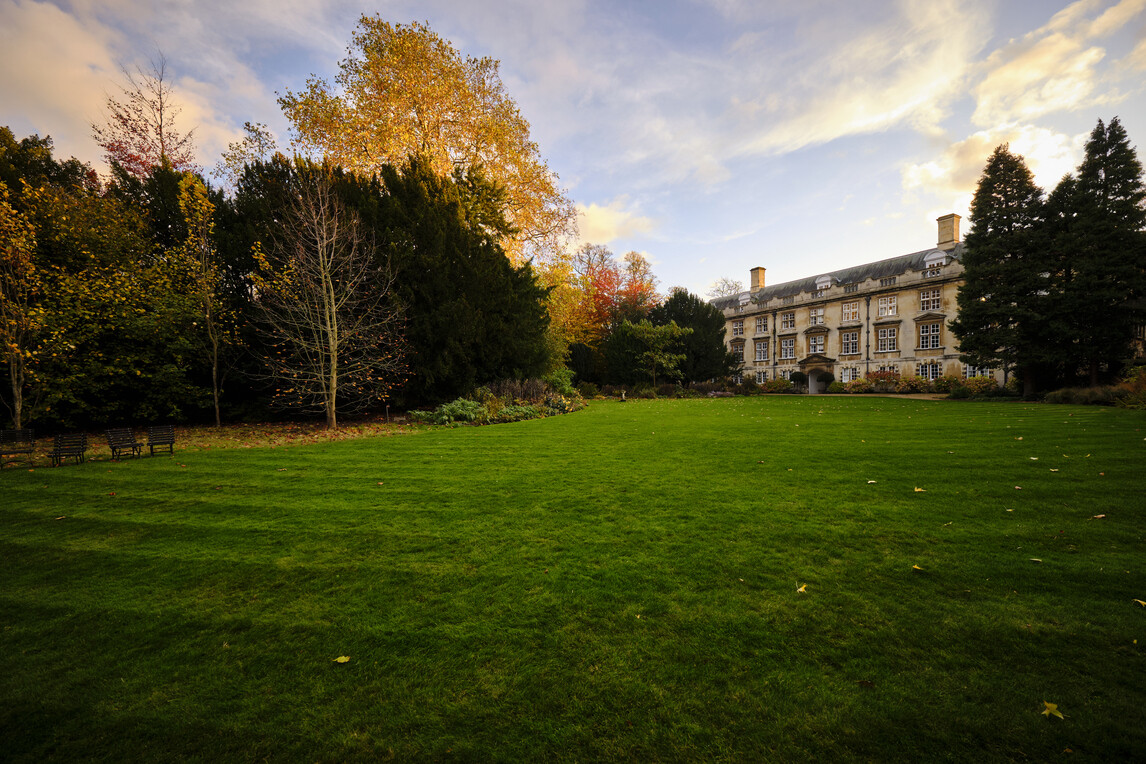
(616, 584)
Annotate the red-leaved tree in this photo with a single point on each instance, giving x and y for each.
(140, 128)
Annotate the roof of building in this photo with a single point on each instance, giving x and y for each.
(880, 269)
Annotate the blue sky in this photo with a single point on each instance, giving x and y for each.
(710, 135)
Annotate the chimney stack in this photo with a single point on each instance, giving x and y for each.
(757, 279)
(948, 232)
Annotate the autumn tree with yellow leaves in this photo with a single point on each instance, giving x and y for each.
(405, 91)
(20, 288)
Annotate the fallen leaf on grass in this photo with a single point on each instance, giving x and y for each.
(1052, 710)
(342, 659)
(1099, 517)
(870, 482)
(281, 469)
(919, 490)
(1018, 488)
(1035, 559)
(800, 589)
(1053, 469)
(1034, 458)
(916, 567)
(62, 517)
(1140, 602)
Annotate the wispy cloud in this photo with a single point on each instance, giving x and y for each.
(1053, 68)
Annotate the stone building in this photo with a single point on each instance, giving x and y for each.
(890, 315)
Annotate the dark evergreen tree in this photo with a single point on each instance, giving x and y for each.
(472, 317)
(706, 356)
(1003, 302)
(1100, 239)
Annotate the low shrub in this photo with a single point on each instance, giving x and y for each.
(837, 387)
(643, 391)
(748, 387)
(798, 378)
(1134, 387)
(588, 390)
(860, 386)
(668, 391)
(460, 410)
(704, 388)
(982, 386)
(515, 413)
(561, 381)
(1087, 396)
(945, 384)
(883, 381)
(959, 392)
(778, 386)
(912, 385)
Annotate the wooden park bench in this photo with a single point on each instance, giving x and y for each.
(20, 443)
(69, 446)
(159, 436)
(122, 440)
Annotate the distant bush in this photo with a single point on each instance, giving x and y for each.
(837, 387)
(779, 386)
(588, 390)
(1134, 387)
(704, 388)
(883, 381)
(912, 385)
(945, 384)
(860, 386)
(798, 378)
(561, 381)
(981, 386)
(668, 391)
(1088, 396)
(460, 410)
(959, 392)
(643, 391)
(503, 401)
(748, 387)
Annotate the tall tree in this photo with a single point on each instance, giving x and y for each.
(1003, 301)
(20, 288)
(404, 91)
(326, 301)
(140, 129)
(205, 280)
(1101, 238)
(706, 355)
(474, 317)
(663, 348)
(256, 145)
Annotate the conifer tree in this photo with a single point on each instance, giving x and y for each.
(1098, 237)
(1003, 301)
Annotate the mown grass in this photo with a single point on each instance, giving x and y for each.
(617, 584)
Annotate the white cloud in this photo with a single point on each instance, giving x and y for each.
(603, 224)
(1049, 155)
(1053, 68)
(900, 71)
(56, 73)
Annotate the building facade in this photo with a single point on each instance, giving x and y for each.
(890, 315)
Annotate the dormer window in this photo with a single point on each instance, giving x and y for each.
(933, 264)
(823, 282)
